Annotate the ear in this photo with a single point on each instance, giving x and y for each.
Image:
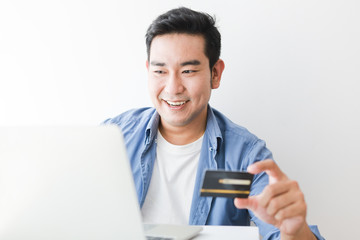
(216, 73)
(147, 65)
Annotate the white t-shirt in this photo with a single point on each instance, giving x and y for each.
(169, 197)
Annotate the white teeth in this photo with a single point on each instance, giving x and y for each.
(176, 103)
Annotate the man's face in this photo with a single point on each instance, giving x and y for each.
(179, 79)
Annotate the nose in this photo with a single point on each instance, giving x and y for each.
(174, 84)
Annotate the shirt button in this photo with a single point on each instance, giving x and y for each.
(210, 149)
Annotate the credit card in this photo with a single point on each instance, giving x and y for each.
(231, 184)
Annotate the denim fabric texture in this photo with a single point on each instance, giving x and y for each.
(225, 146)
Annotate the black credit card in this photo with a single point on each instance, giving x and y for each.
(231, 184)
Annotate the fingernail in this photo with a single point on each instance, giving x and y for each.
(251, 168)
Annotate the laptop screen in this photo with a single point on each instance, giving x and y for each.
(66, 183)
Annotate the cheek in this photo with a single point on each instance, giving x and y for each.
(154, 88)
(201, 89)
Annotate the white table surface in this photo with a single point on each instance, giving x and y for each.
(228, 233)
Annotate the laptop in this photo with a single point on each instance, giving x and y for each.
(71, 183)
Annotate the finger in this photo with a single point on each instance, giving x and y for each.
(284, 200)
(274, 190)
(268, 166)
(297, 209)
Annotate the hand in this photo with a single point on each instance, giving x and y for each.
(281, 203)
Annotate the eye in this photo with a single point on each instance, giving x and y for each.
(159, 72)
(189, 71)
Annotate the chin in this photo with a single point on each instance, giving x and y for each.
(175, 122)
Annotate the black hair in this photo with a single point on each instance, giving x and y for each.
(185, 20)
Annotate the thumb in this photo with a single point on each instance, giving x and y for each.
(270, 167)
(248, 203)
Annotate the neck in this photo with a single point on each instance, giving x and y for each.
(182, 135)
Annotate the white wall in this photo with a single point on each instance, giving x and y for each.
(292, 78)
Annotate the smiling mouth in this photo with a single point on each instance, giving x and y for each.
(175, 104)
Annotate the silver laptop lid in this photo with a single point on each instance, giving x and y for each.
(66, 183)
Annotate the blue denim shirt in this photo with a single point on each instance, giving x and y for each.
(225, 146)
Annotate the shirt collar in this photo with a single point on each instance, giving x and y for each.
(152, 127)
(212, 128)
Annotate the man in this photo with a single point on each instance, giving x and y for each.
(170, 146)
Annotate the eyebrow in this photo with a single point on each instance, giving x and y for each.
(192, 62)
(155, 63)
(161, 64)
